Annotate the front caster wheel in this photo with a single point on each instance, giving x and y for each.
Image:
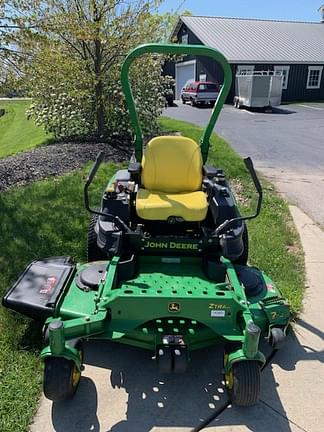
(243, 382)
(277, 338)
(61, 378)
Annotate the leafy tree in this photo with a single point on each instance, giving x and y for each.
(168, 21)
(70, 53)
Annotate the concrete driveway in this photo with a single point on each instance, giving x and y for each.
(287, 146)
(121, 391)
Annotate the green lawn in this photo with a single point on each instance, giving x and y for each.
(48, 218)
(44, 219)
(16, 132)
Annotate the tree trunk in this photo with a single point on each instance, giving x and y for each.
(100, 109)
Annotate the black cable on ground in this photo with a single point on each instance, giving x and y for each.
(220, 410)
(214, 416)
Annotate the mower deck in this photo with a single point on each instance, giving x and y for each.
(169, 296)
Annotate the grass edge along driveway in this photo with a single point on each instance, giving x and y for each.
(48, 218)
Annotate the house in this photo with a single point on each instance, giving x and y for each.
(295, 49)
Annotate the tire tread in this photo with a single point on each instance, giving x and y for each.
(247, 383)
(93, 251)
(57, 384)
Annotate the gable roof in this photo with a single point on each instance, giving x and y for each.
(259, 41)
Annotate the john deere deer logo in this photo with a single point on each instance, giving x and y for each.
(174, 307)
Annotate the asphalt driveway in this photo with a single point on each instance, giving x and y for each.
(287, 146)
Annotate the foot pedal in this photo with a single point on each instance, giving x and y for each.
(180, 358)
(164, 358)
(172, 354)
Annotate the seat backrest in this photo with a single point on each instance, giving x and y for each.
(172, 164)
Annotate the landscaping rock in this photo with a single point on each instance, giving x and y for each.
(53, 160)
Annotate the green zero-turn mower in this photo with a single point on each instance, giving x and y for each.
(167, 264)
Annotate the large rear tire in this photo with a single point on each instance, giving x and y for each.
(243, 258)
(94, 253)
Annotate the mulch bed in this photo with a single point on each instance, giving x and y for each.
(54, 160)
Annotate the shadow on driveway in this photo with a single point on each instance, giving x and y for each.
(135, 398)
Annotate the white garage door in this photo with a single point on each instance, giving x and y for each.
(185, 72)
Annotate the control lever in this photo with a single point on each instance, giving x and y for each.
(119, 223)
(99, 158)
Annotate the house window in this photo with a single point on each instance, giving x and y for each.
(284, 70)
(184, 39)
(314, 77)
(245, 69)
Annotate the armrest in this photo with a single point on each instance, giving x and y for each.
(210, 171)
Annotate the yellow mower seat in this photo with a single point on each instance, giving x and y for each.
(171, 180)
(154, 205)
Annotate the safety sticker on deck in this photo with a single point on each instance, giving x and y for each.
(217, 313)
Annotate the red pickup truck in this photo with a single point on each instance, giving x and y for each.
(200, 92)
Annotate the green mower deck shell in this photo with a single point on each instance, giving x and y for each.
(168, 297)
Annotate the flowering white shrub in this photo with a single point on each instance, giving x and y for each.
(64, 103)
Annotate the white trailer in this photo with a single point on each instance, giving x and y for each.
(259, 89)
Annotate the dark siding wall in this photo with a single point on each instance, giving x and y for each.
(297, 84)
(192, 39)
(213, 71)
(169, 68)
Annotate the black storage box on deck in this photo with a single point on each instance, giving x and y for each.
(39, 287)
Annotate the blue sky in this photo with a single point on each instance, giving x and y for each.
(298, 10)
